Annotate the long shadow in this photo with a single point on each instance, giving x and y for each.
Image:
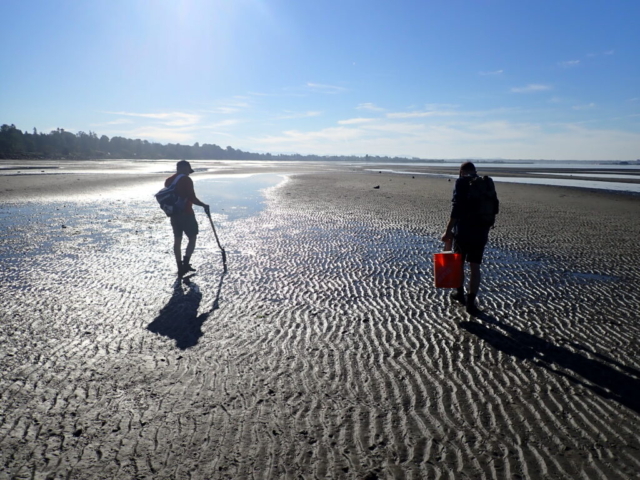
(179, 319)
(599, 376)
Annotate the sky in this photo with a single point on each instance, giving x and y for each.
(434, 79)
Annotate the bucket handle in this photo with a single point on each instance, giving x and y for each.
(448, 246)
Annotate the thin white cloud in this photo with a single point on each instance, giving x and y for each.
(224, 123)
(584, 107)
(171, 127)
(440, 106)
(229, 106)
(286, 92)
(355, 121)
(463, 139)
(293, 115)
(494, 72)
(369, 106)
(162, 134)
(398, 134)
(397, 129)
(118, 121)
(167, 118)
(224, 134)
(398, 138)
(224, 110)
(323, 88)
(444, 110)
(326, 135)
(422, 114)
(531, 88)
(569, 63)
(606, 52)
(238, 104)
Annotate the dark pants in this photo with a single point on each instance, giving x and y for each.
(184, 223)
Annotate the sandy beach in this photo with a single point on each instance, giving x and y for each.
(325, 351)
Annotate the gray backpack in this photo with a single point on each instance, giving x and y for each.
(170, 202)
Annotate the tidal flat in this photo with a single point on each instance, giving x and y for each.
(324, 351)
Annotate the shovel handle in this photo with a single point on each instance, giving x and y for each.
(224, 254)
(214, 232)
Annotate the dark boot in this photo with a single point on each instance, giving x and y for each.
(471, 306)
(186, 266)
(458, 295)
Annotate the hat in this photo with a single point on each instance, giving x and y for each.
(184, 163)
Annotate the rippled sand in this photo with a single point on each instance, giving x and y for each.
(324, 352)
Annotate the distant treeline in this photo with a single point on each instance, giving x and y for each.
(60, 144)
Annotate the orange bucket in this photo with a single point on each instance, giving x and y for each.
(447, 268)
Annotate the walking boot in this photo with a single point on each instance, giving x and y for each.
(471, 306)
(186, 266)
(458, 295)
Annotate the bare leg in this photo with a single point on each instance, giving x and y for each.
(474, 286)
(458, 295)
(191, 246)
(460, 289)
(177, 246)
(474, 278)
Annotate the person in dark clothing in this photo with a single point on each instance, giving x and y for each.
(469, 235)
(185, 222)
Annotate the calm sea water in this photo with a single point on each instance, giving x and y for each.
(586, 173)
(543, 174)
(237, 196)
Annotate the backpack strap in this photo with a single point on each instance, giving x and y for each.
(175, 180)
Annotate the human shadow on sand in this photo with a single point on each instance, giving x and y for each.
(598, 375)
(179, 319)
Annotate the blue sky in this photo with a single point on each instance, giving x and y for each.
(432, 79)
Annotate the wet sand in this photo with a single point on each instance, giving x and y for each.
(324, 352)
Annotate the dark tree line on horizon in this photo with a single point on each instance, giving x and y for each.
(61, 145)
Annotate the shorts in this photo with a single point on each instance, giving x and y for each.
(184, 223)
(471, 245)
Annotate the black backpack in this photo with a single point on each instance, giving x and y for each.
(483, 200)
(170, 202)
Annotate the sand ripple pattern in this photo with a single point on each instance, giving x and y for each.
(324, 352)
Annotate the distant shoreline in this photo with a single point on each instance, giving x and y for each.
(43, 179)
(39, 179)
(315, 158)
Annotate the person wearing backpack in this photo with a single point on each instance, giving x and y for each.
(474, 207)
(183, 221)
